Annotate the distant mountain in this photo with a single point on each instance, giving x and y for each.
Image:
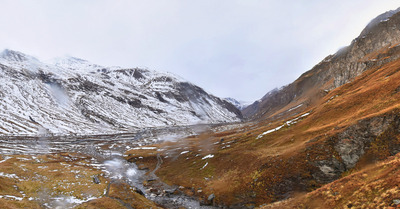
(70, 95)
(238, 104)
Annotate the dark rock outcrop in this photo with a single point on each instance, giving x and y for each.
(370, 139)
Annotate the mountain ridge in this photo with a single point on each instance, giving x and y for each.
(333, 71)
(238, 104)
(74, 96)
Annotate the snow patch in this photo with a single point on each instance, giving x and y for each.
(145, 148)
(287, 123)
(207, 156)
(204, 166)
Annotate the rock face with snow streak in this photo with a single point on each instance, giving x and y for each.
(238, 104)
(72, 96)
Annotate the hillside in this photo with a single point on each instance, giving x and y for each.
(335, 120)
(72, 96)
(330, 139)
(334, 71)
(374, 186)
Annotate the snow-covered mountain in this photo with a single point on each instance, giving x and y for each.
(238, 104)
(71, 95)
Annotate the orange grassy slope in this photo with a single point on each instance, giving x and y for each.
(376, 186)
(257, 163)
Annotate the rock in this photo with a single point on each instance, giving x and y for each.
(96, 180)
(169, 191)
(396, 201)
(181, 187)
(140, 192)
(155, 191)
(211, 197)
(397, 90)
(143, 167)
(354, 141)
(199, 191)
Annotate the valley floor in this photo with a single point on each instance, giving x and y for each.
(87, 172)
(335, 152)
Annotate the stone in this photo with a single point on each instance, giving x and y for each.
(139, 191)
(396, 201)
(169, 191)
(96, 180)
(211, 197)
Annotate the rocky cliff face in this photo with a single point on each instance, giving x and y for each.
(71, 95)
(335, 70)
(368, 138)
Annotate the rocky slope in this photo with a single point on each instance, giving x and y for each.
(335, 70)
(339, 118)
(72, 96)
(353, 126)
(371, 187)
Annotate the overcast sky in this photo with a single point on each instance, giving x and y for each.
(231, 48)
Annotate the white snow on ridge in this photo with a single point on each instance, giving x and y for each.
(73, 96)
(293, 108)
(287, 123)
(238, 104)
(270, 131)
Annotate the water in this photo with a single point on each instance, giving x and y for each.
(107, 151)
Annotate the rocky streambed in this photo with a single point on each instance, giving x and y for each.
(104, 153)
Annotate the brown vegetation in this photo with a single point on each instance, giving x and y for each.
(249, 171)
(28, 181)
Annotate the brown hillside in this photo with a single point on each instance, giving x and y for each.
(334, 71)
(298, 151)
(376, 186)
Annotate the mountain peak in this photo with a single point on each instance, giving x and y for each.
(16, 56)
(238, 104)
(70, 62)
(381, 18)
